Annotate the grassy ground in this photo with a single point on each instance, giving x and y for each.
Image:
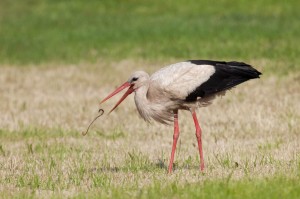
(251, 140)
(59, 58)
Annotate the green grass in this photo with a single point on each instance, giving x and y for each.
(274, 187)
(45, 31)
(269, 188)
(63, 165)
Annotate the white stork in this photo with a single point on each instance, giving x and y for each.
(186, 85)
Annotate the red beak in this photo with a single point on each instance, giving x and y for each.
(123, 86)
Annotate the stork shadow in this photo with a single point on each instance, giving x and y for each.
(157, 165)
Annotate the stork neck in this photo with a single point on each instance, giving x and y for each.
(141, 101)
(141, 94)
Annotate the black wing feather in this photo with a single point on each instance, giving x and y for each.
(226, 76)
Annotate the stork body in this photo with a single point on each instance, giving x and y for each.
(186, 86)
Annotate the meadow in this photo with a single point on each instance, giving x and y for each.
(58, 59)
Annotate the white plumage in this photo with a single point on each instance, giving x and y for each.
(179, 79)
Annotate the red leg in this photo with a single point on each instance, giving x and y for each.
(199, 139)
(175, 138)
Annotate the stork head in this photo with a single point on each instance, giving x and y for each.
(136, 80)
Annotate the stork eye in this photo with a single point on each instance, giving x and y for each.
(134, 79)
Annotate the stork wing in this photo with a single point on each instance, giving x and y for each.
(178, 80)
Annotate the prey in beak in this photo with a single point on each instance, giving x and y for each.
(119, 89)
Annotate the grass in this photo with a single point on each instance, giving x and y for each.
(251, 142)
(70, 32)
(65, 166)
(273, 187)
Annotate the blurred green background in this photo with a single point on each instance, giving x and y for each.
(43, 31)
